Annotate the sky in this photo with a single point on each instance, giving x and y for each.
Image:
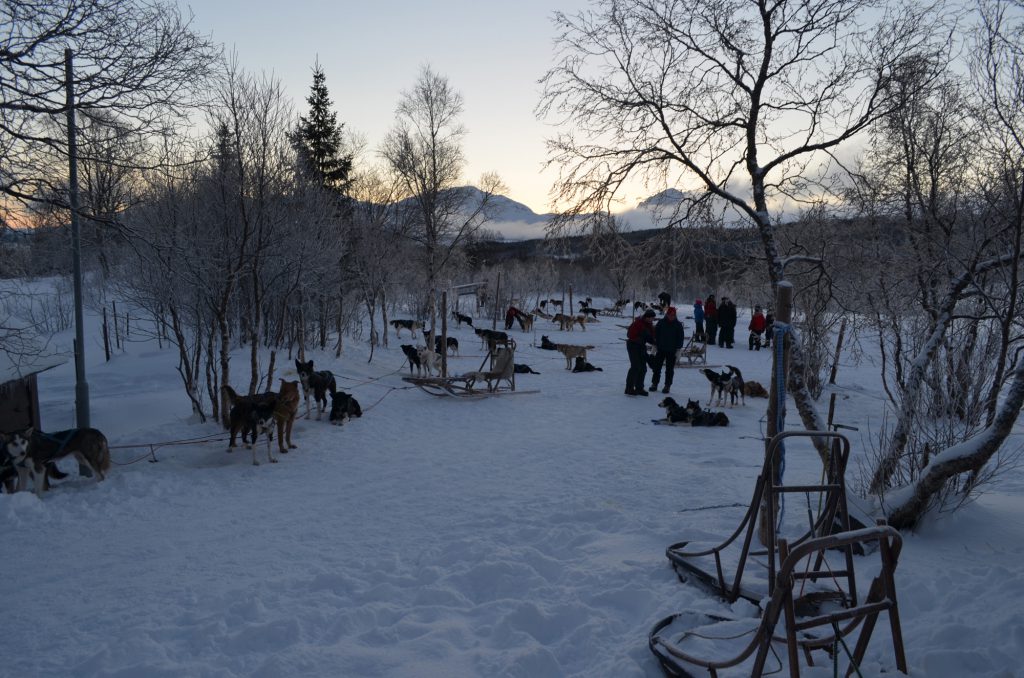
(492, 53)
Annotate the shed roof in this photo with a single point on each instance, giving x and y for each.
(14, 367)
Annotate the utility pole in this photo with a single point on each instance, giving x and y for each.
(81, 386)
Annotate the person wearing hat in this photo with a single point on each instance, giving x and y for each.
(668, 339)
(698, 319)
(639, 334)
(757, 327)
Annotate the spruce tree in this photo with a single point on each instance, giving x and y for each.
(318, 138)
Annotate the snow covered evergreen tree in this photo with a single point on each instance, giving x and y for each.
(318, 138)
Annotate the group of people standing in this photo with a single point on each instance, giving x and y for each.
(716, 322)
(713, 322)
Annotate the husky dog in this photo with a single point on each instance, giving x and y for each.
(285, 410)
(430, 360)
(753, 389)
(494, 338)
(343, 408)
(405, 324)
(725, 383)
(582, 365)
(452, 344)
(413, 356)
(253, 416)
(33, 453)
(565, 322)
(16, 464)
(699, 417)
(674, 412)
(547, 344)
(519, 368)
(525, 321)
(459, 319)
(318, 383)
(572, 352)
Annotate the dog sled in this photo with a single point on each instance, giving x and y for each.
(821, 559)
(722, 568)
(692, 644)
(499, 379)
(694, 353)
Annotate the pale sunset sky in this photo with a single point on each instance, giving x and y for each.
(493, 53)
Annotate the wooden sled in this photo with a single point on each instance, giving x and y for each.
(720, 569)
(694, 353)
(683, 642)
(502, 370)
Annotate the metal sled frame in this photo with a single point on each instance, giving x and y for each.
(675, 661)
(834, 509)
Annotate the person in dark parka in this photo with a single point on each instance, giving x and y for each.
(726, 323)
(668, 339)
(711, 318)
(639, 334)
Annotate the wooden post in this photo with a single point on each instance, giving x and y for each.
(106, 335)
(444, 334)
(839, 348)
(117, 331)
(776, 406)
(572, 309)
(497, 297)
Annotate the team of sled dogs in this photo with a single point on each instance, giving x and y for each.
(31, 455)
(262, 414)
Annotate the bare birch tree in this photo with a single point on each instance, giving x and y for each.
(424, 150)
(742, 98)
(139, 63)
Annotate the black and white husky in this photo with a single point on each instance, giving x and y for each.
(318, 383)
(725, 383)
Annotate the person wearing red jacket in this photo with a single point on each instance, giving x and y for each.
(711, 318)
(757, 326)
(639, 334)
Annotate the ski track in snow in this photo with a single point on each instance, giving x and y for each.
(520, 535)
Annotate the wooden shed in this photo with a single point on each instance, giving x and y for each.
(19, 391)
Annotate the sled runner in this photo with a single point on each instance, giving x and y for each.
(695, 644)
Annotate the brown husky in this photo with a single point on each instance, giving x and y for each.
(571, 352)
(285, 411)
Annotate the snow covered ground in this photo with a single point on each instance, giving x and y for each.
(521, 535)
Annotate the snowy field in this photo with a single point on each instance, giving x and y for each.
(521, 535)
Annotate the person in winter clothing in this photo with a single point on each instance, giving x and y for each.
(510, 316)
(639, 334)
(668, 339)
(726, 323)
(698, 319)
(756, 327)
(769, 320)
(711, 318)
